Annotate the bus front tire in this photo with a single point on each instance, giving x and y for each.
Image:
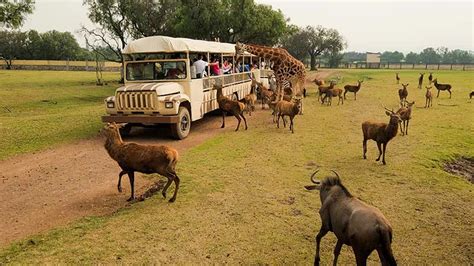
(181, 129)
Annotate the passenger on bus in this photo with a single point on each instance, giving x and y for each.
(200, 66)
(226, 67)
(215, 70)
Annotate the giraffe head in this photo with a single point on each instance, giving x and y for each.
(240, 48)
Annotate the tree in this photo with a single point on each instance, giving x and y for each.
(429, 56)
(230, 21)
(12, 45)
(412, 58)
(351, 57)
(293, 44)
(13, 13)
(317, 41)
(391, 57)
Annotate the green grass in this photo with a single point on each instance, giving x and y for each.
(242, 197)
(43, 108)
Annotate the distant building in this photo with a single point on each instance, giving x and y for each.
(373, 60)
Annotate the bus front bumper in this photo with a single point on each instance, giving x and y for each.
(141, 119)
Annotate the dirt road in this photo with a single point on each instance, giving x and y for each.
(42, 190)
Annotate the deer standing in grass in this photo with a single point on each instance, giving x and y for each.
(405, 116)
(429, 97)
(430, 78)
(381, 133)
(397, 77)
(403, 94)
(353, 88)
(442, 87)
(227, 105)
(420, 80)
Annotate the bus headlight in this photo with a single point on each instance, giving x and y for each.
(169, 105)
(110, 104)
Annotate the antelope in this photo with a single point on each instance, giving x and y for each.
(353, 88)
(442, 87)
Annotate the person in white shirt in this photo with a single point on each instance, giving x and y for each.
(200, 66)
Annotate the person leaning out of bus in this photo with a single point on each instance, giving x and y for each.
(226, 67)
(215, 70)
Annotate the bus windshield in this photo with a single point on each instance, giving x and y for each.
(156, 70)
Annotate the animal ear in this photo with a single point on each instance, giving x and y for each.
(312, 187)
(387, 113)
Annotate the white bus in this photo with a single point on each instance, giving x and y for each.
(162, 86)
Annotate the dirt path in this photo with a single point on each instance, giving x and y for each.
(42, 190)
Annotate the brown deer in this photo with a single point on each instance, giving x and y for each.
(382, 133)
(354, 222)
(334, 92)
(353, 88)
(442, 87)
(403, 93)
(405, 116)
(323, 89)
(420, 80)
(430, 78)
(249, 101)
(429, 97)
(397, 77)
(227, 105)
(290, 109)
(265, 93)
(147, 159)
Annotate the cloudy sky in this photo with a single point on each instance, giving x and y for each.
(370, 25)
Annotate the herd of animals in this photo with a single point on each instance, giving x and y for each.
(355, 223)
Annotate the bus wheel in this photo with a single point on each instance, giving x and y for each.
(181, 129)
(125, 130)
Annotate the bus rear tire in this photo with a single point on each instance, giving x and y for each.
(181, 129)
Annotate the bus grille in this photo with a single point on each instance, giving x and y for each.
(130, 100)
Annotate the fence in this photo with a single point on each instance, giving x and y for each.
(60, 65)
(464, 67)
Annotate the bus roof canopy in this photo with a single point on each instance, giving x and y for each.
(155, 44)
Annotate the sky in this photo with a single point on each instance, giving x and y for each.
(367, 26)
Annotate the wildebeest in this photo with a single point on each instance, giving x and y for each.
(354, 223)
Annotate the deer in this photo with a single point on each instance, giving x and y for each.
(403, 93)
(354, 222)
(227, 105)
(405, 116)
(323, 89)
(353, 88)
(430, 78)
(429, 97)
(381, 133)
(420, 80)
(334, 92)
(442, 87)
(397, 77)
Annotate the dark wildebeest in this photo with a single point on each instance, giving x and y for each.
(354, 223)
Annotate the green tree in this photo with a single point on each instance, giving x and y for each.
(12, 45)
(412, 58)
(391, 57)
(430, 56)
(13, 13)
(57, 45)
(317, 41)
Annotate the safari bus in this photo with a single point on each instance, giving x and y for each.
(161, 85)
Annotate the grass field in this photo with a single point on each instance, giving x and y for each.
(43, 108)
(242, 196)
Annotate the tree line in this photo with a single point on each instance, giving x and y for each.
(441, 55)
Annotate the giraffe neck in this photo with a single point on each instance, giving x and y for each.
(265, 52)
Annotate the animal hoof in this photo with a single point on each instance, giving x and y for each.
(172, 199)
(119, 189)
(164, 195)
(131, 198)
(377, 159)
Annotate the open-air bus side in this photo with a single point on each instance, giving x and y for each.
(153, 95)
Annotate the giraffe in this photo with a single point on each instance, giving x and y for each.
(285, 67)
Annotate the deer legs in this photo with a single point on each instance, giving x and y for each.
(364, 147)
(131, 176)
(379, 146)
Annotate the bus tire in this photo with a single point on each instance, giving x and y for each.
(181, 129)
(125, 130)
